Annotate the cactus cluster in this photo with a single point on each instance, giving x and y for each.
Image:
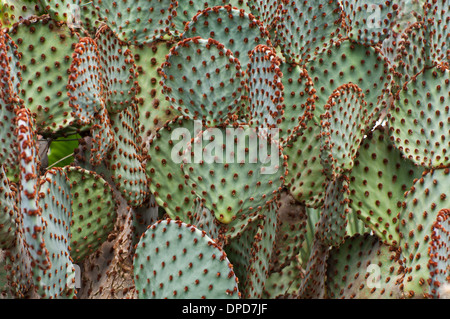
(224, 149)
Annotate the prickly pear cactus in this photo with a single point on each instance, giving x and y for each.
(224, 149)
(181, 251)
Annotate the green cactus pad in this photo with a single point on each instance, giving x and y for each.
(378, 181)
(307, 235)
(137, 22)
(18, 265)
(363, 268)
(9, 101)
(346, 62)
(284, 282)
(88, 18)
(33, 224)
(176, 260)
(369, 22)
(103, 139)
(266, 11)
(439, 12)
(439, 255)
(61, 10)
(264, 87)
(420, 210)
(250, 250)
(299, 99)
(262, 250)
(306, 29)
(239, 226)
(94, 211)
(165, 177)
(412, 53)
(13, 11)
(204, 220)
(239, 249)
(12, 70)
(306, 178)
(46, 48)
(343, 127)
(55, 202)
(154, 109)
(125, 161)
(85, 82)
(229, 26)
(118, 71)
(313, 285)
(418, 118)
(8, 212)
(331, 228)
(202, 80)
(292, 220)
(245, 169)
(186, 10)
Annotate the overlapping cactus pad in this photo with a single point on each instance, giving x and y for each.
(235, 149)
(183, 262)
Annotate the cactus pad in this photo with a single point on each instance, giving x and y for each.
(420, 210)
(241, 176)
(213, 89)
(61, 10)
(299, 99)
(368, 22)
(378, 181)
(343, 127)
(125, 161)
(154, 109)
(306, 30)
(266, 11)
(306, 176)
(33, 224)
(418, 119)
(165, 177)
(103, 138)
(119, 72)
(9, 100)
(228, 25)
(332, 225)
(94, 211)
(46, 47)
(8, 211)
(265, 88)
(13, 11)
(262, 250)
(363, 268)
(85, 82)
(55, 202)
(439, 254)
(176, 260)
(313, 284)
(346, 62)
(137, 22)
(440, 13)
(186, 10)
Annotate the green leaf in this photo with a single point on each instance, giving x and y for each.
(61, 149)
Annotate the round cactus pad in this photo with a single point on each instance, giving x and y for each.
(176, 260)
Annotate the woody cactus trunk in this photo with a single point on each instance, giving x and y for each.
(225, 149)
